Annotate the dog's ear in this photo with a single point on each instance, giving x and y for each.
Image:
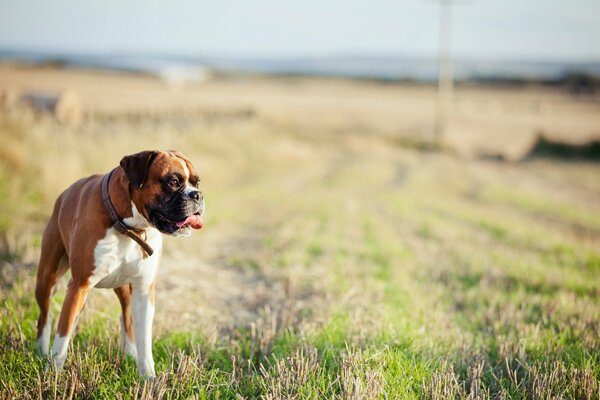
(136, 167)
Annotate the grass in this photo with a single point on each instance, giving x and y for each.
(332, 265)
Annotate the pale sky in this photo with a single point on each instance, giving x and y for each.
(562, 30)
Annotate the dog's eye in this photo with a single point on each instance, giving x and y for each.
(174, 183)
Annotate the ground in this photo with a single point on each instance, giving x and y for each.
(342, 255)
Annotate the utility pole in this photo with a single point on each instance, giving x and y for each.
(445, 71)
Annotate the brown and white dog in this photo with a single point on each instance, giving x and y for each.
(151, 192)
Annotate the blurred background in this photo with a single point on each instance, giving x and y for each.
(420, 169)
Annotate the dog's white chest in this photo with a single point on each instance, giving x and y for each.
(119, 260)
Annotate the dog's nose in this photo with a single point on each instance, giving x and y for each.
(195, 195)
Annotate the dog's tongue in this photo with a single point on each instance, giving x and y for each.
(195, 221)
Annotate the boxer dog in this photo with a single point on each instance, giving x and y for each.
(107, 231)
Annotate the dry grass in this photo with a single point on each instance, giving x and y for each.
(335, 262)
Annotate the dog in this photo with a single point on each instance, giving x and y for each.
(108, 231)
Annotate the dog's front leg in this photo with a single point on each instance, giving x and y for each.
(143, 314)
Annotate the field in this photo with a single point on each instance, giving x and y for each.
(344, 255)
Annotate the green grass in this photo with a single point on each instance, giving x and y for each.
(332, 279)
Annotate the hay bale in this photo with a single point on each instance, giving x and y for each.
(8, 98)
(68, 108)
(65, 107)
(39, 102)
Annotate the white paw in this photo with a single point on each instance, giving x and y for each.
(42, 347)
(130, 349)
(147, 374)
(43, 342)
(55, 364)
(146, 369)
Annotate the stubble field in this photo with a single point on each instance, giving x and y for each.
(343, 256)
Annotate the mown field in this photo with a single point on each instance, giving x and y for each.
(336, 262)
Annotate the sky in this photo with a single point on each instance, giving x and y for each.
(559, 30)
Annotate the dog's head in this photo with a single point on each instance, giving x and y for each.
(164, 189)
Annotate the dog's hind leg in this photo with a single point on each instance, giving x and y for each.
(127, 333)
(49, 271)
(77, 291)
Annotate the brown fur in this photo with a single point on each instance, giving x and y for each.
(124, 295)
(59, 241)
(151, 291)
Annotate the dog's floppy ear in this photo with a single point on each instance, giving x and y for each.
(136, 167)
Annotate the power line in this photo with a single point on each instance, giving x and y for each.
(445, 95)
(445, 70)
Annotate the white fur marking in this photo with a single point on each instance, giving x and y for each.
(185, 169)
(59, 350)
(43, 342)
(143, 314)
(188, 188)
(127, 345)
(119, 260)
(137, 220)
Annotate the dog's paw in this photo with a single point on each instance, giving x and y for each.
(54, 366)
(130, 350)
(147, 375)
(146, 369)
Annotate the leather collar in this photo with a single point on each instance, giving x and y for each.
(118, 223)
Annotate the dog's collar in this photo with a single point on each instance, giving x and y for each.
(118, 223)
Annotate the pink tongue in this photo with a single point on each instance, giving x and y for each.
(195, 221)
